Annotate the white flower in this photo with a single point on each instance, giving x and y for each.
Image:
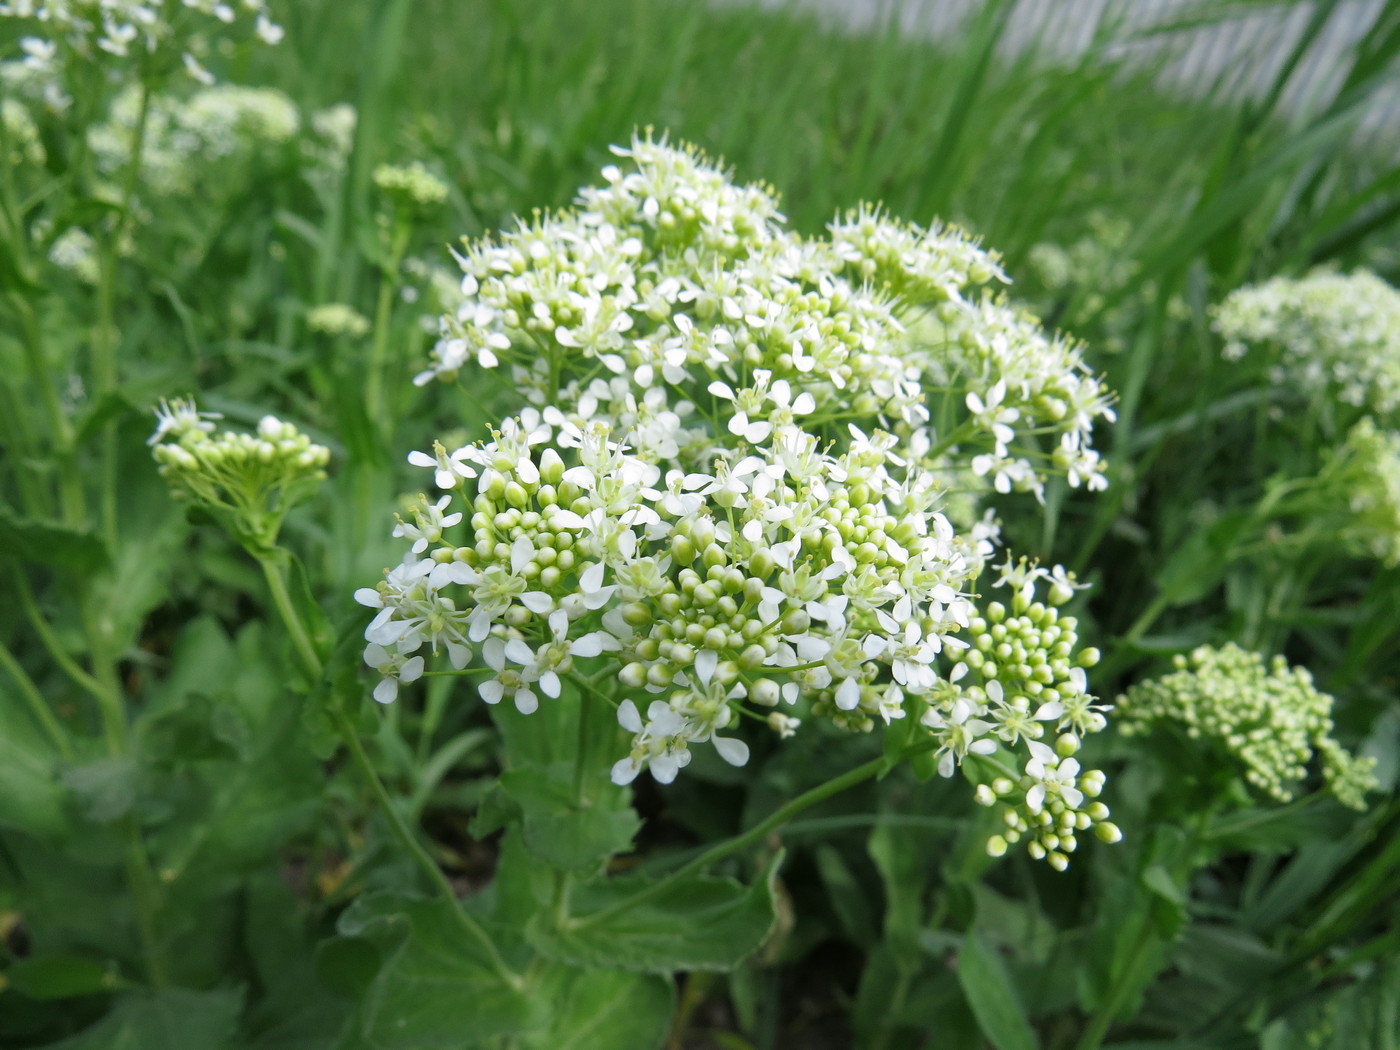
(1054, 776)
(395, 668)
(508, 682)
(556, 655)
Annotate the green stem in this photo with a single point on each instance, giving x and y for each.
(140, 878)
(305, 649)
(50, 641)
(1125, 981)
(1129, 978)
(415, 849)
(106, 336)
(875, 767)
(312, 665)
(379, 351)
(35, 701)
(69, 477)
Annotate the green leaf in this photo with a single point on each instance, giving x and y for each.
(50, 543)
(593, 1008)
(849, 899)
(104, 790)
(701, 923)
(170, 1019)
(61, 977)
(435, 989)
(31, 797)
(111, 406)
(994, 1003)
(565, 832)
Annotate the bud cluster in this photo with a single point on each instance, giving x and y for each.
(195, 142)
(337, 320)
(1020, 680)
(1360, 484)
(412, 188)
(1331, 332)
(1267, 717)
(247, 481)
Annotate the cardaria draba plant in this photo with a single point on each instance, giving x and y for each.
(1268, 718)
(1328, 332)
(723, 496)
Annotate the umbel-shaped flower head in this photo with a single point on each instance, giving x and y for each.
(247, 481)
(725, 493)
(1267, 717)
(1328, 333)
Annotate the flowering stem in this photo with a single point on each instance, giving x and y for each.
(311, 664)
(69, 477)
(875, 767)
(415, 849)
(53, 729)
(301, 641)
(379, 350)
(50, 641)
(104, 344)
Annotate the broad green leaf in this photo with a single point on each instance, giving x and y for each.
(61, 976)
(435, 988)
(170, 1019)
(593, 1009)
(31, 797)
(564, 831)
(104, 790)
(50, 543)
(989, 992)
(702, 923)
(849, 899)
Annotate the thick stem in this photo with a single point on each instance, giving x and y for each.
(70, 480)
(415, 849)
(305, 649)
(379, 351)
(106, 336)
(34, 700)
(311, 664)
(875, 767)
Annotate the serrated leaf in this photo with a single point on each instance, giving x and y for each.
(989, 992)
(705, 922)
(435, 988)
(50, 543)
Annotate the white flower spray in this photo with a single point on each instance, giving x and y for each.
(726, 491)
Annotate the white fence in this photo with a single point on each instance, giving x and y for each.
(1237, 58)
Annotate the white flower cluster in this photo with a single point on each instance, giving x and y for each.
(203, 135)
(1332, 333)
(247, 481)
(724, 498)
(1270, 718)
(1361, 477)
(411, 187)
(338, 321)
(670, 278)
(120, 28)
(22, 135)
